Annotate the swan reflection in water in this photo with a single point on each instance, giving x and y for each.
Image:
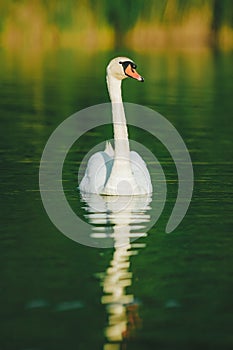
(121, 219)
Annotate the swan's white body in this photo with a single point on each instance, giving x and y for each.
(118, 171)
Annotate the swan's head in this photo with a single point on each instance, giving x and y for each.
(123, 67)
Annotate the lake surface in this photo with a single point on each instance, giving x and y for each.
(160, 291)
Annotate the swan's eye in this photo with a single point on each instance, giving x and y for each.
(125, 63)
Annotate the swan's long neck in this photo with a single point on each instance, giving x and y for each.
(119, 122)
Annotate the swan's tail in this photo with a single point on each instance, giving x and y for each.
(108, 149)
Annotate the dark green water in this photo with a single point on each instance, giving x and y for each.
(51, 287)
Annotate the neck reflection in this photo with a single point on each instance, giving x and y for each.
(122, 219)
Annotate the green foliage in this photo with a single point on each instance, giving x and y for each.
(123, 14)
(60, 12)
(222, 13)
(120, 14)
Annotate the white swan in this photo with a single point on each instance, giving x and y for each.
(119, 171)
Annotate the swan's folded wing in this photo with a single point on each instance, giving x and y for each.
(140, 171)
(108, 149)
(97, 172)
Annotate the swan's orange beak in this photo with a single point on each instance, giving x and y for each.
(131, 72)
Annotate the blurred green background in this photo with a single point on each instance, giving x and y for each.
(97, 25)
